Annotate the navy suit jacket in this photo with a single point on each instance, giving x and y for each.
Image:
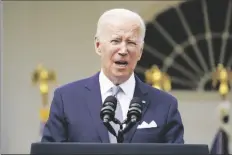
(75, 115)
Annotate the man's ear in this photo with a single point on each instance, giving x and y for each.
(97, 45)
(140, 53)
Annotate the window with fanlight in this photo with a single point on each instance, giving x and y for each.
(188, 41)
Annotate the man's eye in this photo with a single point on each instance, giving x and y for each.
(133, 43)
(115, 41)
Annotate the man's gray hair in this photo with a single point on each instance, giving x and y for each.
(120, 12)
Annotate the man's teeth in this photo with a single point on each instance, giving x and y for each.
(121, 62)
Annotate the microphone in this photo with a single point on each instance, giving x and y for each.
(135, 110)
(134, 113)
(107, 113)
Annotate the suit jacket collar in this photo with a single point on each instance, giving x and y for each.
(94, 102)
(93, 83)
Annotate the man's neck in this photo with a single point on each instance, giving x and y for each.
(116, 80)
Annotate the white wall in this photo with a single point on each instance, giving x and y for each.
(0, 65)
(60, 35)
(200, 115)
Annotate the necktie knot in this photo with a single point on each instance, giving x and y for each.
(115, 90)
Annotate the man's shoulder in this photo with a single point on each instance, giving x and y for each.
(74, 85)
(160, 94)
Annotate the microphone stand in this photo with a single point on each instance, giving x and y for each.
(121, 131)
(120, 136)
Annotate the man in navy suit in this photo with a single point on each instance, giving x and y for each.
(75, 109)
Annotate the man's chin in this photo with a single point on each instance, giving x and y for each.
(122, 76)
(121, 73)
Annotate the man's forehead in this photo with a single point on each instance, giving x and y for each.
(121, 29)
(122, 24)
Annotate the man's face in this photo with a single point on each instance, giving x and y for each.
(120, 47)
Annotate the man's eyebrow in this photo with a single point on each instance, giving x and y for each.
(115, 37)
(132, 39)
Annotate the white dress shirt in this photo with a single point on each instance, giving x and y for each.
(124, 97)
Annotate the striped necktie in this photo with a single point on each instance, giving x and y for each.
(118, 114)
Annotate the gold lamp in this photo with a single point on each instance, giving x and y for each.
(42, 77)
(158, 79)
(222, 76)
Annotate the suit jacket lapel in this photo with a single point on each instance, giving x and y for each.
(94, 102)
(141, 92)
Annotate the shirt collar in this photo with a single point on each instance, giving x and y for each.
(127, 87)
(105, 83)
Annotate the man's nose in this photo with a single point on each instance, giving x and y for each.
(123, 51)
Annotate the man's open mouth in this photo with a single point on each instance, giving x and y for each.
(121, 63)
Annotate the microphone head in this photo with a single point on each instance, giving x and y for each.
(136, 100)
(108, 109)
(135, 109)
(111, 99)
